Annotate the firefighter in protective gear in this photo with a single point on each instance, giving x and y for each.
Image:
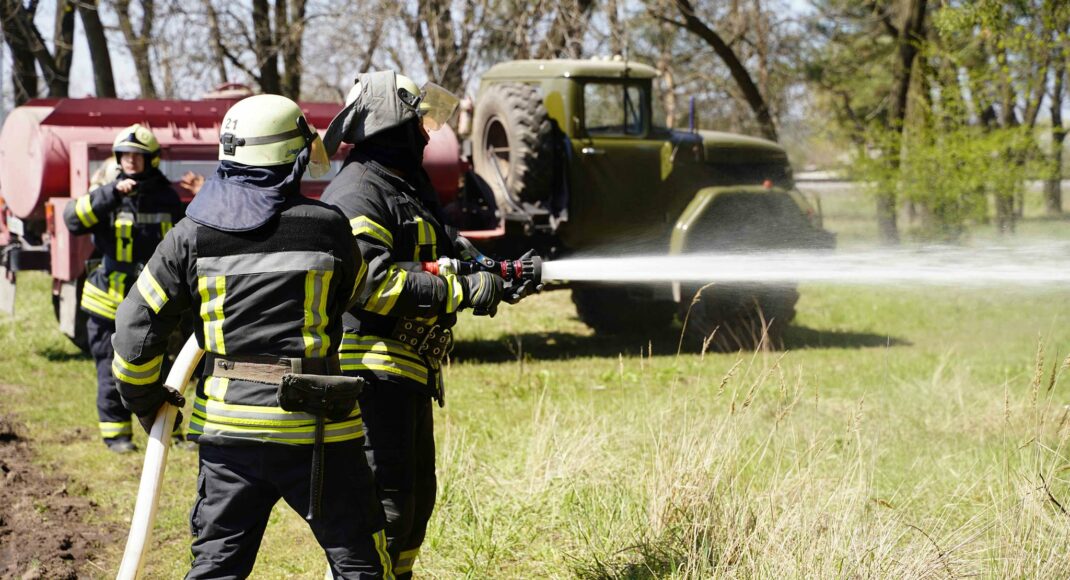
(270, 273)
(398, 333)
(127, 217)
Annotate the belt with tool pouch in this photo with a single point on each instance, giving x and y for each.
(268, 369)
(306, 385)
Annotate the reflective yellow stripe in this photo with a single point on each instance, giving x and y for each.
(98, 309)
(124, 242)
(383, 299)
(84, 208)
(364, 226)
(213, 292)
(362, 279)
(200, 424)
(165, 227)
(425, 238)
(142, 374)
(455, 293)
(384, 557)
(406, 560)
(255, 416)
(151, 291)
(104, 303)
(314, 332)
(112, 430)
(216, 388)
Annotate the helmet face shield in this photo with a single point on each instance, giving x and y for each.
(436, 106)
(319, 162)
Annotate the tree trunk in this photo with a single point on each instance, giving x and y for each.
(62, 48)
(739, 73)
(218, 51)
(1053, 186)
(911, 35)
(616, 30)
(291, 47)
(564, 39)
(24, 69)
(98, 48)
(267, 55)
(139, 44)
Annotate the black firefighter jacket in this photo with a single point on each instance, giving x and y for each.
(278, 290)
(126, 231)
(394, 229)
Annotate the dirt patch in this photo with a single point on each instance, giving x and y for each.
(43, 529)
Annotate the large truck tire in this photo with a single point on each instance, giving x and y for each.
(731, 317)
(617, 311)
(512, 145)
(734, 317)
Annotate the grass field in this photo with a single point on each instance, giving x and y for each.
(902, 433)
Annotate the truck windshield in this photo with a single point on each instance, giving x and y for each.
(614, 108)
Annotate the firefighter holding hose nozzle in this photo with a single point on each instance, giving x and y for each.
(127, 217)
(270, 273)
(398, 334)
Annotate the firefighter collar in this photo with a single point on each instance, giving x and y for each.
(242, 198)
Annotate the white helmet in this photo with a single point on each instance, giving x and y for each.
(269, 130)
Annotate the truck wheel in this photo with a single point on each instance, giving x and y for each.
(731, 318)
(512, 145)
(740, 313)
(611, 310)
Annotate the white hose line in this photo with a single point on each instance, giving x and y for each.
(148, 492)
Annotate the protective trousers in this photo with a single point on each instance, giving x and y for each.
(239, 485)
(400, 446)
(113, 416)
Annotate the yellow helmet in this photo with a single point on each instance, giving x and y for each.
(268, 130)
(137, 139)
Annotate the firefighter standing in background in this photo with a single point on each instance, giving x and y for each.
(270, 273)
(128, 218)
(398, 334)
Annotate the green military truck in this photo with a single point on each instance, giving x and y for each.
(570, 158)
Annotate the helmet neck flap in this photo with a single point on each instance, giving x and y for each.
(240, 198)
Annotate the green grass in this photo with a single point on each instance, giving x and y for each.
(903, 433)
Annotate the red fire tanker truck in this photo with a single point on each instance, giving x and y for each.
(49, 149)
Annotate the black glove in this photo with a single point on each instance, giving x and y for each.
(482, 292)
(517, 291)
(167, 395)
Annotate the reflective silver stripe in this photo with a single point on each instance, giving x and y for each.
(264, 263)
(152, 218)
(137, 374)
(151, 291)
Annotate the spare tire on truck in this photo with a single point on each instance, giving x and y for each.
(512, 146)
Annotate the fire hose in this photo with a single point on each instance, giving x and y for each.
(148, 492)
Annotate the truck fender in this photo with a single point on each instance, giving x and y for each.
(697, 208)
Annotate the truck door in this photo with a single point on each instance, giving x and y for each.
(617, 170)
